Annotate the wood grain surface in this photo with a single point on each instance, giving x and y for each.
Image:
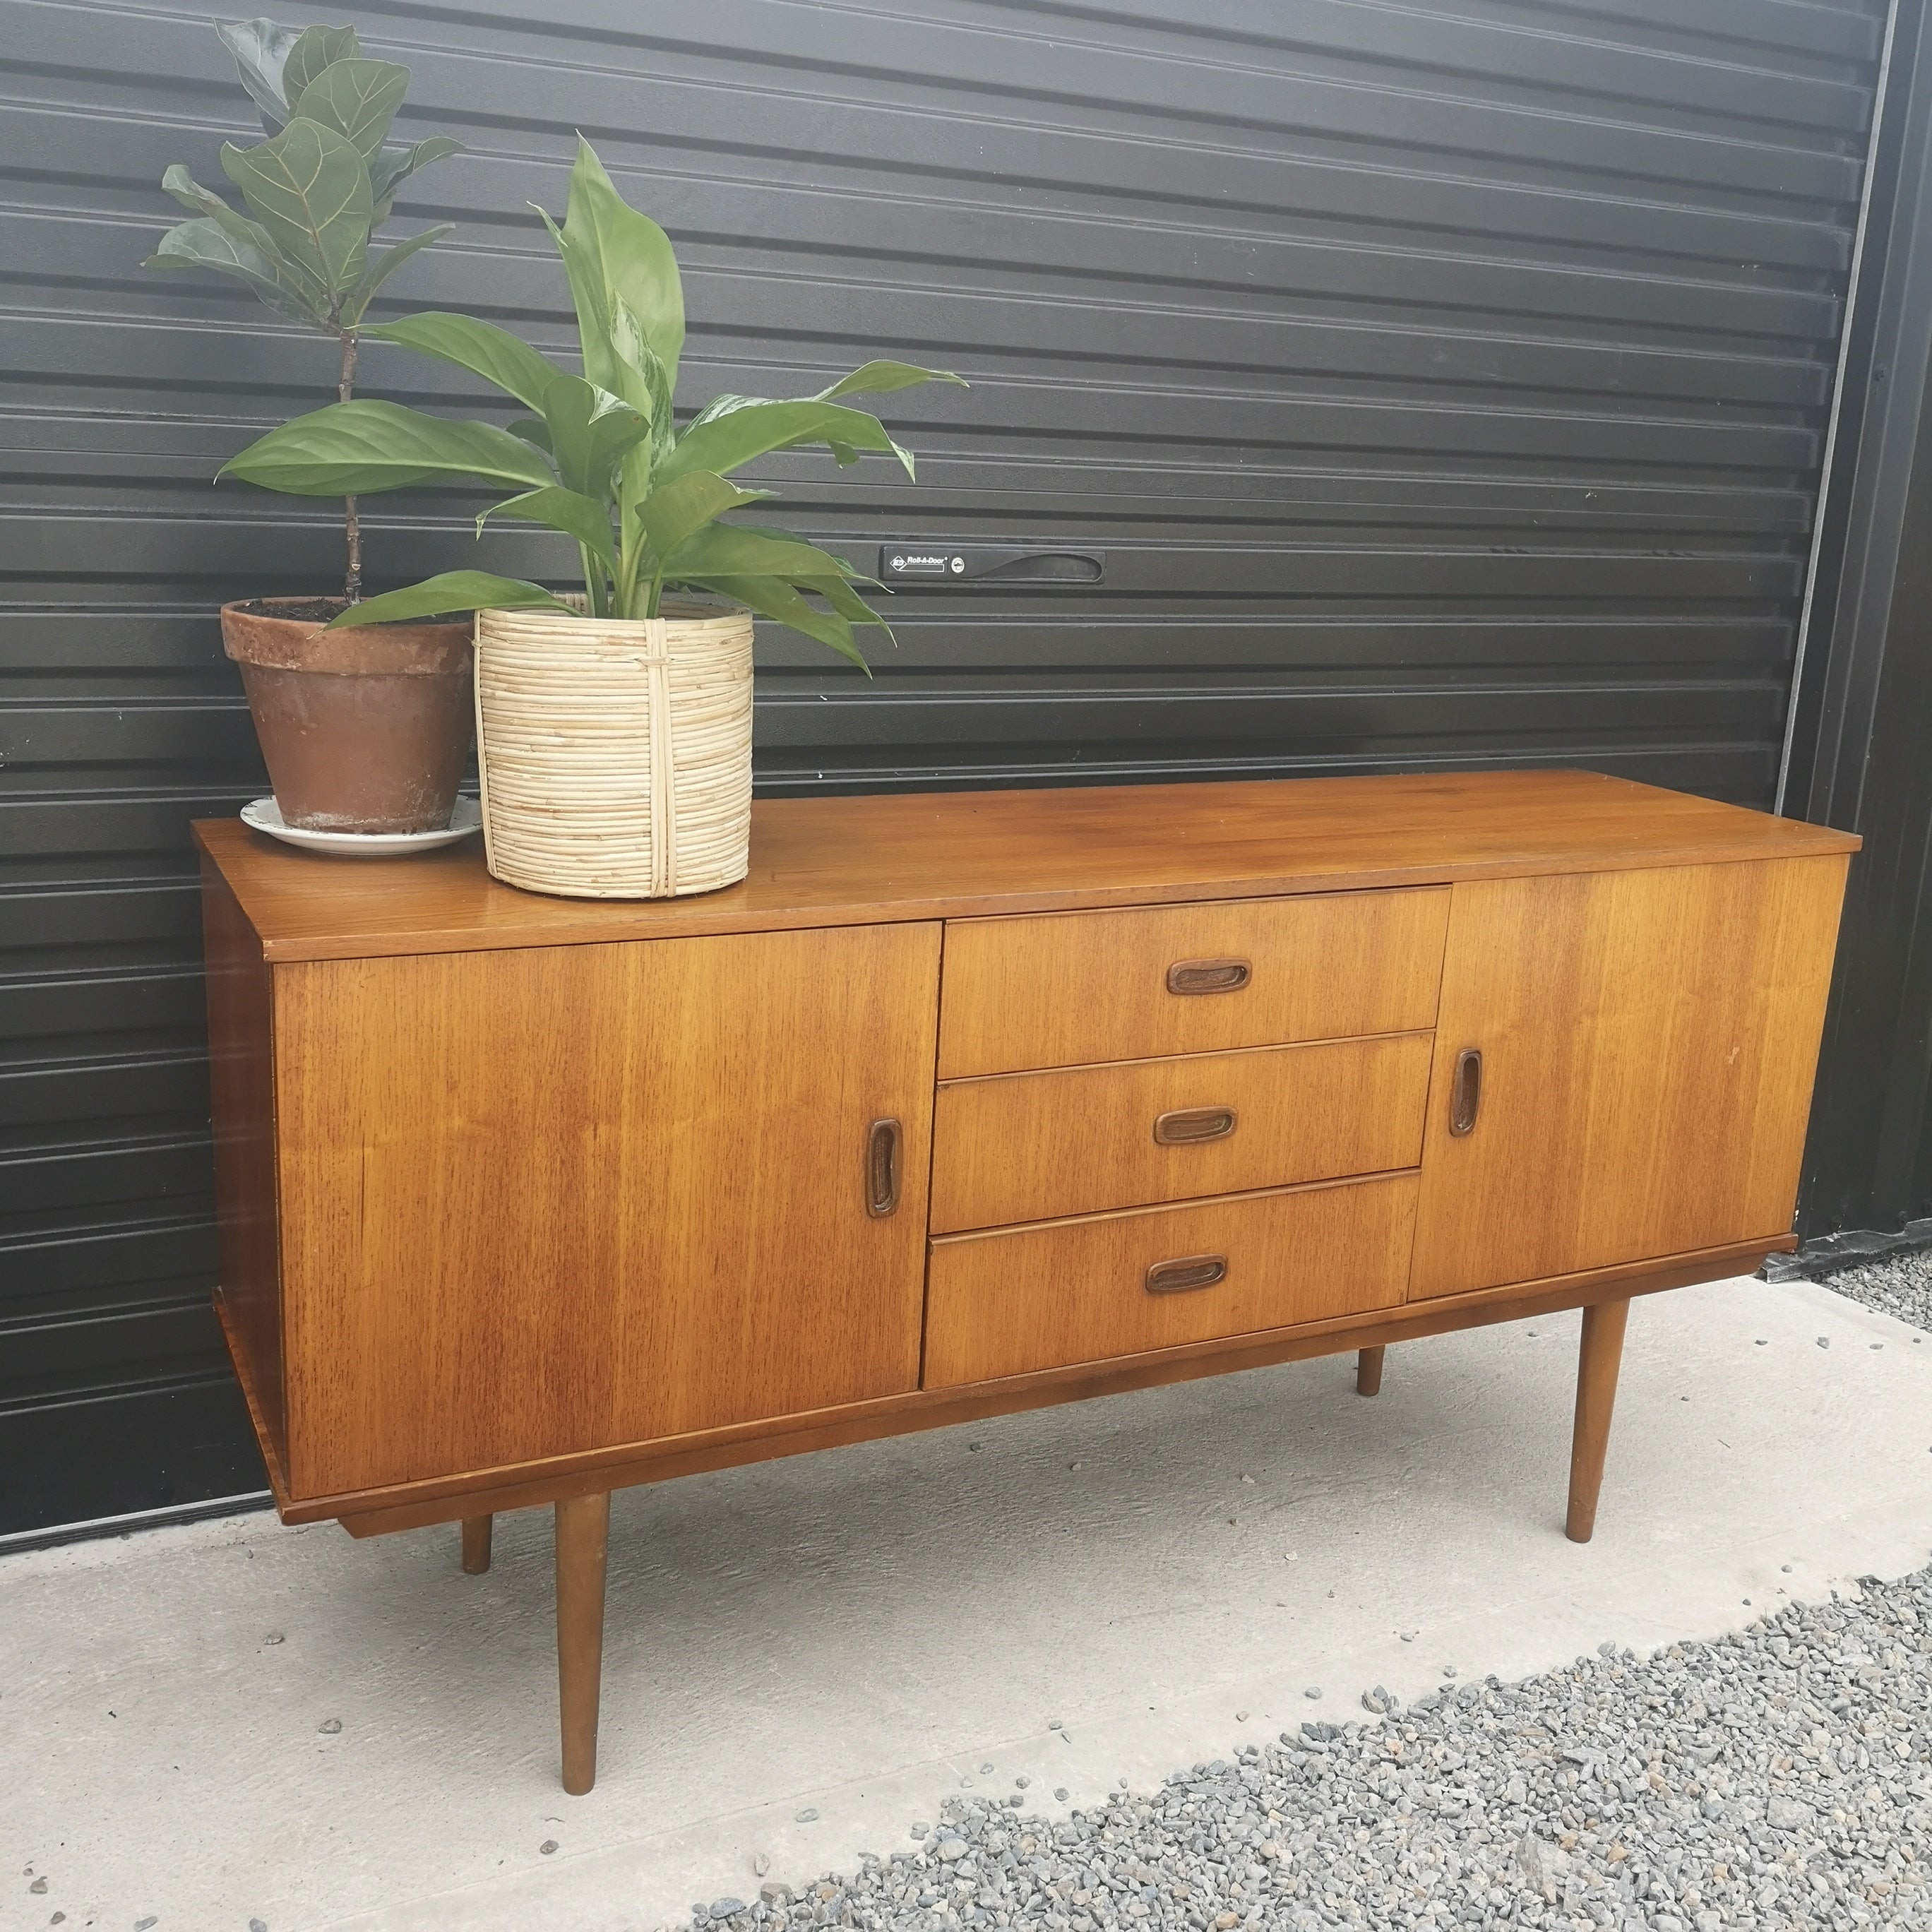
(441, 1499)
(1031, 1147)
(1649, 1040)
(541, 1200)
(241, 1093)
(1061, 989)
(1045, 1296)
(875, 859)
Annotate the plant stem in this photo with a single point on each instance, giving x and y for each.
(352, 583)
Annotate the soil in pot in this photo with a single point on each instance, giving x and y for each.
(363, 730)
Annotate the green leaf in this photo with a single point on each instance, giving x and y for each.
(844, 599)
(601, 363)
(590, 432)
(499, 357)
(354, 449)
(680, 509)
(305, 299)
(261, 50)
(204, 244)
(392, 167)
(753, 428)
(771, 597)
(643, 381)
(739, 550)
(358, 99)
(454, 590)
(532, 430)
(309, 189)
(565, 510)
(632, 256)
(878, 378)
(192, 196)
(315, 49)
(384, 265)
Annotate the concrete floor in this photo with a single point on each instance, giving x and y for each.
(855, 1634)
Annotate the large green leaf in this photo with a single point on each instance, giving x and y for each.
(354, 449)
(738, 550)
(392, 167)
(252, 243)
(878, 378)
(632, 256)
(565, 510)
(309, 189)
(203, 243)
(454, 590)
(481, 347)
(590, 432)
(844, 598)
(261, 50)
(678, 510)
(315, 49)
(736, 435)
(384, 265)
(358, 99)
(582, 271)
(644, 382)
(771, 597)
(198, 200)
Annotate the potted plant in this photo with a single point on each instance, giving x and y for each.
(363, 730)
(613, 732)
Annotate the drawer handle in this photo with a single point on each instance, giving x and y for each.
(1191, 1271)
(1466, 1092)
(1191, 1125)
(1208, 976)
(882, 1168)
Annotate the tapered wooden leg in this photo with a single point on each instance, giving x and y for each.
(476, 1544)
(1597, 1363)
(1369, 1371)
(583, 1537)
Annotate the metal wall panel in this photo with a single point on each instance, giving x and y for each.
(1858, 732)
(1445, 383)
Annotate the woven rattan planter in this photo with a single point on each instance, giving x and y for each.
(616, 756)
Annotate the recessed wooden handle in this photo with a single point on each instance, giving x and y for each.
(1465, 1091)
(1208, 976)
(1189, 1125)
(882, 1168)
(1176, 1277)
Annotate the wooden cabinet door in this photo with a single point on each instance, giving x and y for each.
(542, 1201)
(1648, 1041)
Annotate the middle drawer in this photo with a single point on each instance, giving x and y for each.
(1078, 1140)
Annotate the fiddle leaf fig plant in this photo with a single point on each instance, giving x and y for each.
(316, 190)
(600, 457)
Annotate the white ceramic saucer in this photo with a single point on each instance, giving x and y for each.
(263, 814)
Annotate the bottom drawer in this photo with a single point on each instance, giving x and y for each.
(1060, 1292)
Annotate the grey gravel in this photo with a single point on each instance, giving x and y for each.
(1901, 1285)
(1780, 1777)
(330, 1727)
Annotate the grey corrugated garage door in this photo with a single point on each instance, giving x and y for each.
(1442, 383)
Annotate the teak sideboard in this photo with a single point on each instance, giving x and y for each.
(963, 1103)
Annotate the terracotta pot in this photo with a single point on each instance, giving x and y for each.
(364, 730)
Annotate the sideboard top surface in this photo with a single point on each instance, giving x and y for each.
(934, 855)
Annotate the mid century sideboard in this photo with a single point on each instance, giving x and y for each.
(964, 1103)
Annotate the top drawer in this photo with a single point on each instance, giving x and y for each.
(1060, 989)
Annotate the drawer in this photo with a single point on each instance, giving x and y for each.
(1060, 989)
(1031, 1147)
(1112, 1284)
